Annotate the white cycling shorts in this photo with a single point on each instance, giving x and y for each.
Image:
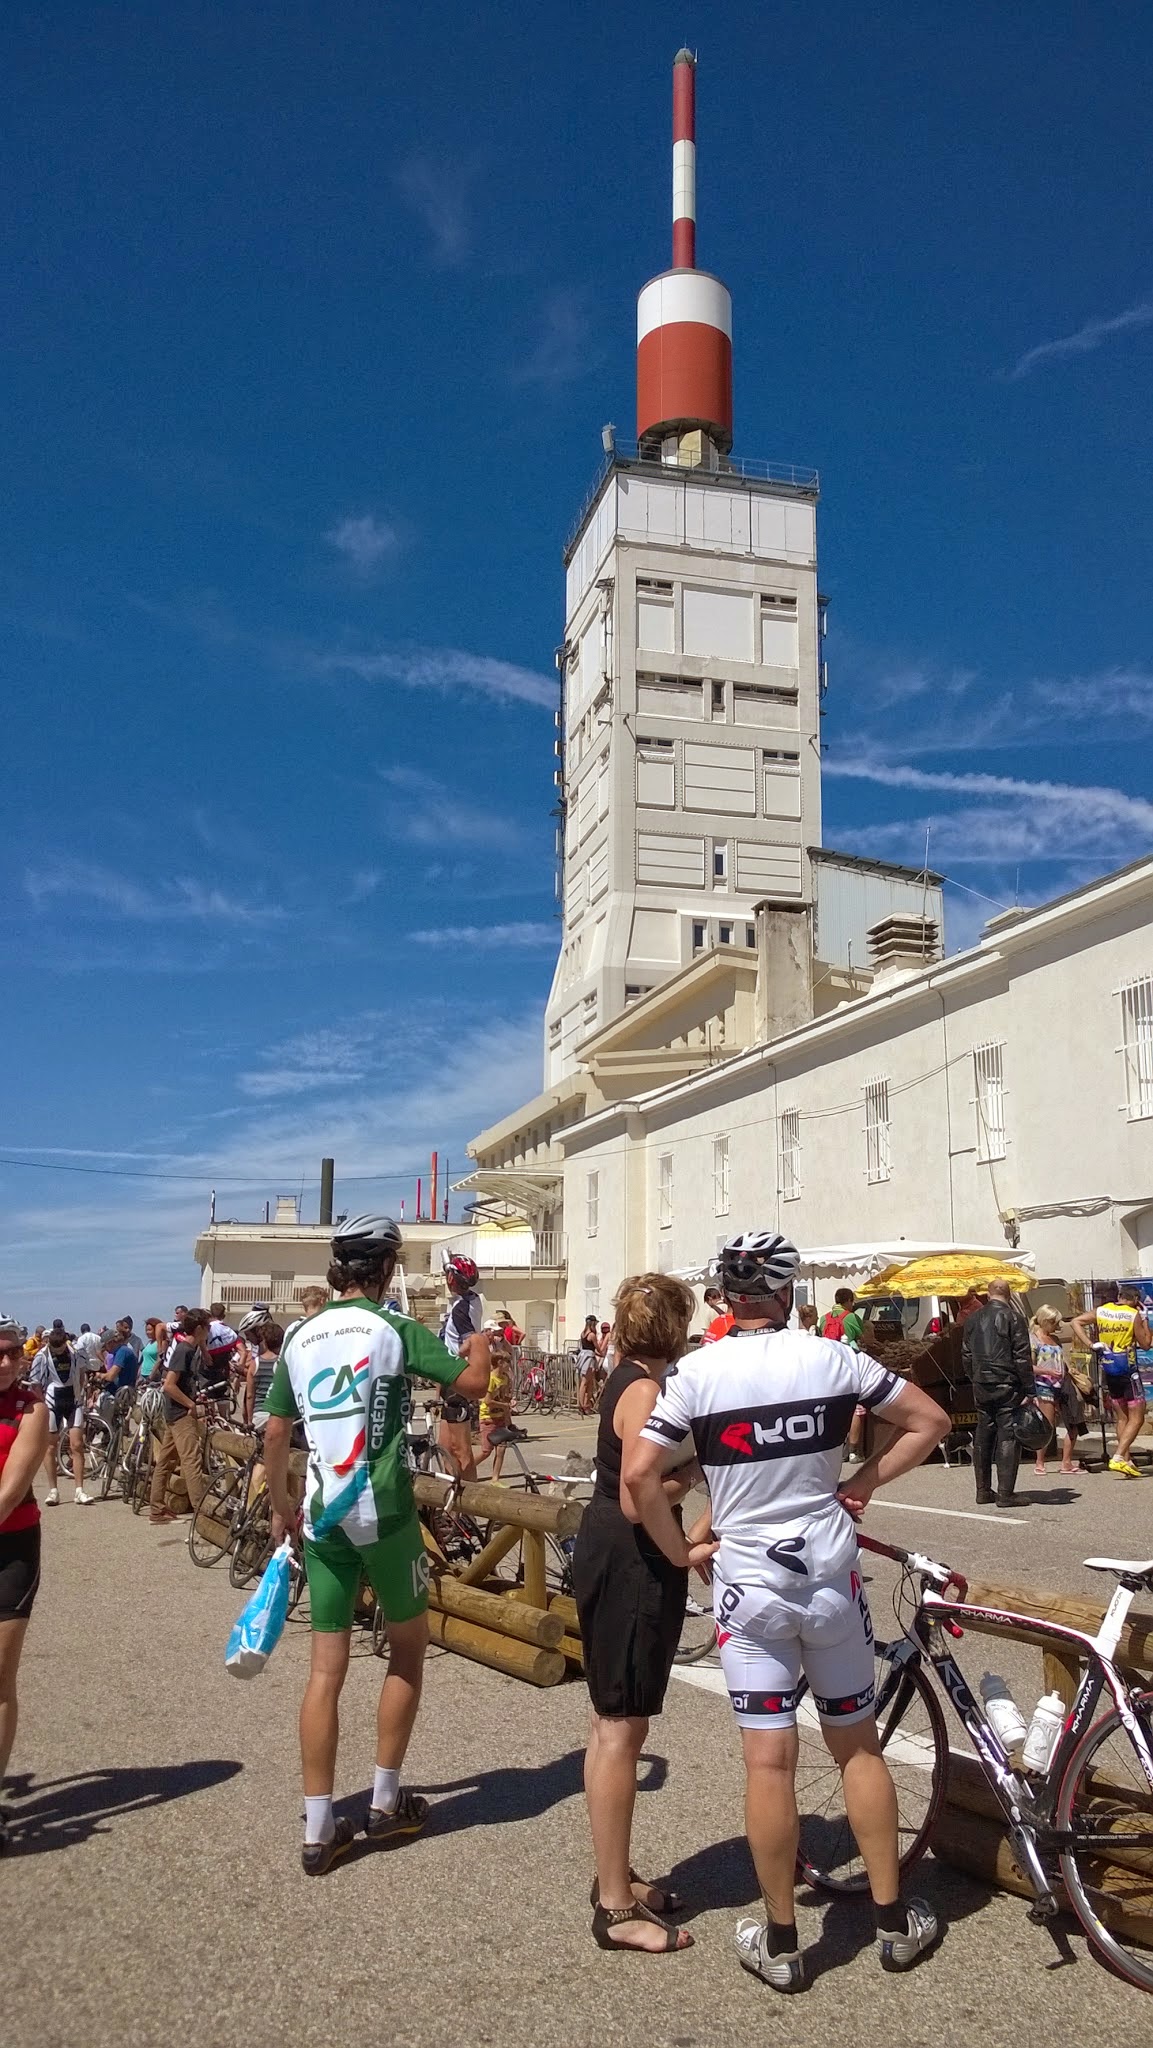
(768, 1639)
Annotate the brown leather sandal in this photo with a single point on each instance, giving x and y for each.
(672, 1900)
(605, 1918)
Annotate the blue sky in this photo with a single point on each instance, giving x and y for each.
(311, 319)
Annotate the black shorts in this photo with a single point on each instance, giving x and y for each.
(631, 1603)
(19, 1572)
(62, 1408)
(1123, 1386)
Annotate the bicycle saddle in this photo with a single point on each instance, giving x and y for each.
(503, 1436)
(1131, 1569)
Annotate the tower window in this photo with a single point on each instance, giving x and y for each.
(750, 935)
(725, 934)
(720, 860)
(698, 938)
(718, 699)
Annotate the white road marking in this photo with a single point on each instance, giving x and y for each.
(912, 1507)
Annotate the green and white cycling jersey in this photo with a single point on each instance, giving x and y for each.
(343, 1374)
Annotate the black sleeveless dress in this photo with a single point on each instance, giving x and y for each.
(630, 1599)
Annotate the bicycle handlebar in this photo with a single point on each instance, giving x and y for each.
(942, 1576)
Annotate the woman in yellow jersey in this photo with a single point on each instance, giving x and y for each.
(1117, 1329)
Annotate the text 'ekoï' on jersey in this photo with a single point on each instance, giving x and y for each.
(780, 1429)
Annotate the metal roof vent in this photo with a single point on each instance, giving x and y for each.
(900, 945)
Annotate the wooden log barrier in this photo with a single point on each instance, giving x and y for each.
(980, 1846)
(501, 1653)
(1134, 1651)
(498, 1611)
(485, 1563)
(488, 1502)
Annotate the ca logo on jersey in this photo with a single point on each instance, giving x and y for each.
(345, 1388)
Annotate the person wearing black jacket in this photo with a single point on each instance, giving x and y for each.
(996, 1351)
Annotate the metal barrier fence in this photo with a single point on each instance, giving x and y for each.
(544, 1381)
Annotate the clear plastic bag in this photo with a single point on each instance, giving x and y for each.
(255, 1635)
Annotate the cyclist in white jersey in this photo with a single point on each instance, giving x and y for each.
(769, 1410)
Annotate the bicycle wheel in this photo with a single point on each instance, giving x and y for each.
(111, 1464)
(97, 1441)
(457, 1536)
(916, 1748)
(698, 1632)
(1106, 1805)
(297, 1579)
(253, 1546)
(379, 1632)
(140, 1478)
(213, 1526)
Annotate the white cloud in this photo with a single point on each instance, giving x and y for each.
(1086, 338)
(490, 937)
(1110, 693)
(439, 194)
(333, 1057)
(423, 1081)
(181, 899)
(564, 348)
(447, 669)
(1084, 809)
(428, 815)
(365, 542)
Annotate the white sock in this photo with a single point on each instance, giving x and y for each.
(319, 1825)
(385, 1790)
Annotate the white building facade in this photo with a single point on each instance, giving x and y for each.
(1004, 1094)
(689, 765)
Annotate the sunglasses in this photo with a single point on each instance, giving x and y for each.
(11, 1351)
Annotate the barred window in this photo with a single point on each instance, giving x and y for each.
(720, 1176)
(1137, 1045)
(878, 1130)
(989, 1083)
(665, 1191)
(790, 1154)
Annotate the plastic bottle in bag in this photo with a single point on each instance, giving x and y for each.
(1044, 1728)
(1002, 1709)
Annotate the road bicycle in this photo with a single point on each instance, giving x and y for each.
(1088, 1813)
(213, 1529)
(118, 1424)
(136, 1469)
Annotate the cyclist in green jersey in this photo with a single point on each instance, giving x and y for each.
(343, 1373)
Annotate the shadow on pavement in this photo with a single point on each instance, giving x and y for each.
(66, 1811)
(509, 1793)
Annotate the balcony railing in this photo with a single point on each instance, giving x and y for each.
(627, 455)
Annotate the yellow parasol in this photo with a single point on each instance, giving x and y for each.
(949, 1273)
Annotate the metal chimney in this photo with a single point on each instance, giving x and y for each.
(327, 1168)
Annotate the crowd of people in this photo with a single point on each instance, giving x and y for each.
(762, 1410)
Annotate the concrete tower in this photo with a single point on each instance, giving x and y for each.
(688, 759)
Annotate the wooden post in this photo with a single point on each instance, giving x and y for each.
(1061, 1673)
(566, 1607)
(495, 1611)
(495, 1549)
(535, 1581)
(501, 1653)
(573, 1649)
(504, 1504)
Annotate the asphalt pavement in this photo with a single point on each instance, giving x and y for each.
(155, 1895)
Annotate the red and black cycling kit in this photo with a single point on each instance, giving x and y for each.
(20, 1532)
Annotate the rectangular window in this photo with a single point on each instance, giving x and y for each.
(989, 1085)
(725, 934)
(790, 1154)
(750, 935)
(656, 778)
(720, 1176)
(782, 783)
(719, 779)
(634, 990)
(1137, 1024)
(669, 696)
(554, 1032)
(878, 1131)
(720, 860)
(779, 632)
(592, 1294)
(718, 700)
(665, 1191)
(592, 1203)
(698, 938)
(654, 623)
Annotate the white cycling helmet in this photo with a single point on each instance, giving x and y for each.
(253, 1320)
(757, 1263)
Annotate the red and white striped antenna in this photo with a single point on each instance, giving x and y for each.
(685, 320)
(684, 161)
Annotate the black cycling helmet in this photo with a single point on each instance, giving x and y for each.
(757, 1263)
(366, 1237)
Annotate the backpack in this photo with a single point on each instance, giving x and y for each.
(833, 1327)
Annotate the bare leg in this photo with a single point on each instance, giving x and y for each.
(1130, 1420)
(1049, 1411)
(76, 1446)
(400, 1693)
(11, 1644)
(50, 1468)
(870, 1802)
(771, 1822)
(610, 1791)
(320, 1711)
(498, 1461)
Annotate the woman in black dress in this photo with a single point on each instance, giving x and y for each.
(631, 1602)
